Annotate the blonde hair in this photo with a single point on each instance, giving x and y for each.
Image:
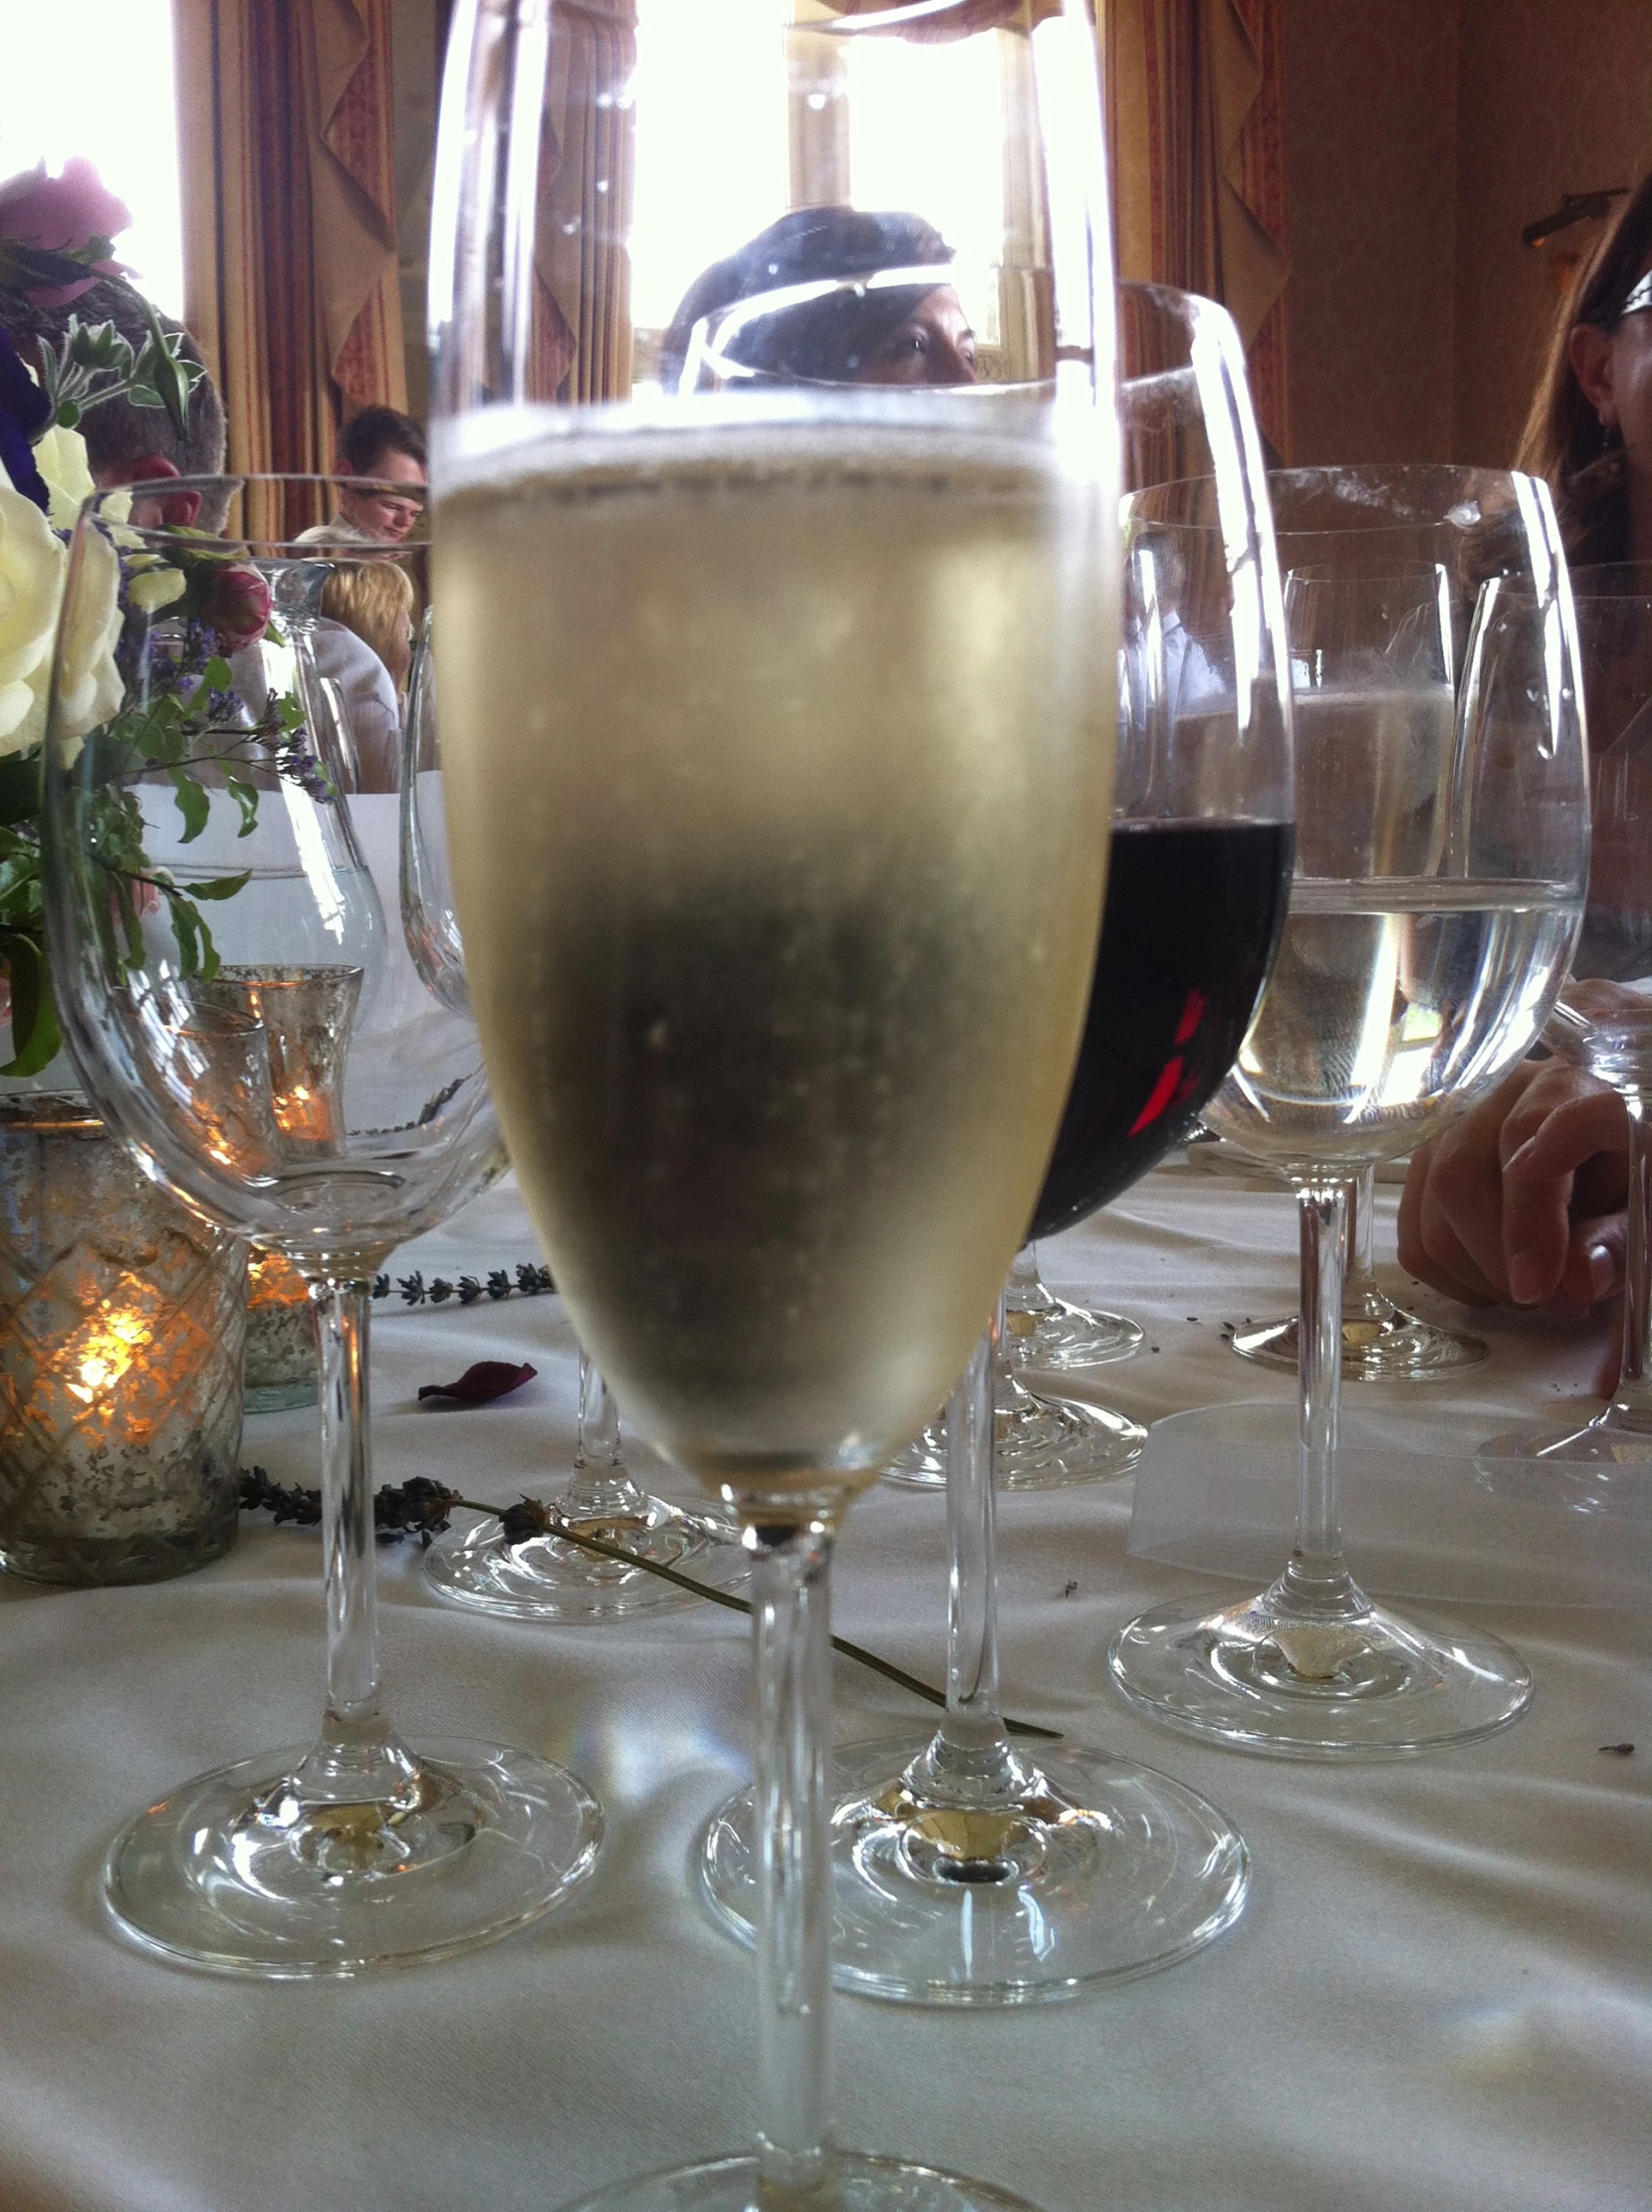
(374, 598)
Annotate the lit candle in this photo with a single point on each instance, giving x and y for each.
(120, 1343)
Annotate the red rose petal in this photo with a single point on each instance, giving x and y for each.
(480, 1385)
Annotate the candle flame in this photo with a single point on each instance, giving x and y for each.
(109, 1350)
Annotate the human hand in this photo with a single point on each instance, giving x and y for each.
(1521, 1203)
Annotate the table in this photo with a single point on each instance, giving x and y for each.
(1439, 1997)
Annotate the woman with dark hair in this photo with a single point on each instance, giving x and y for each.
(1523, 1203)
(865, 333)
(1590, 432)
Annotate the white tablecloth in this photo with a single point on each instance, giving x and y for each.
(1439, 1997)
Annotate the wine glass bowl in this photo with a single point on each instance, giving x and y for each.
(216, 884)
(484, 1567)
(1438, 894)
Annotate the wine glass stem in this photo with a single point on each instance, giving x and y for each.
(972, 1685)
(1316, 1573)
(792, 1647)
(970, 1760)
(355, 1760)
(1361, 1237)
(602, 1489)
(1633, 1397)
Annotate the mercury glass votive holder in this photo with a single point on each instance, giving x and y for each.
(122, 1331)
(281, 1335)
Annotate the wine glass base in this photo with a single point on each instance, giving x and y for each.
(1605, 1467)
(861, 2184)
(1062, 1337)
(1376, 1687)
(1105, 1872)
(1053, 1442)
(546, 1578)
(232, 1874)
(1391, 1346)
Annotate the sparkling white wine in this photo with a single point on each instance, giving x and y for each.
(1392, 1006)
(776, 773)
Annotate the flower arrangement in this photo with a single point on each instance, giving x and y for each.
(151, 702)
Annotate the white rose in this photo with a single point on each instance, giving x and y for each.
(90, 688)
(32, 562)
(61, 459)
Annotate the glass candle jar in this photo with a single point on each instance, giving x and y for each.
(123, 1323)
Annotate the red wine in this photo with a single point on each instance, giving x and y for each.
(1192, 921)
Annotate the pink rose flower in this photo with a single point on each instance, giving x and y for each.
(62, 213)
(236, 602)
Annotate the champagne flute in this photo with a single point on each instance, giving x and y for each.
(968, 1869)
(1440, 875)
(230, 996)
(1604, 1020)
(548, 1576)
(779, 908)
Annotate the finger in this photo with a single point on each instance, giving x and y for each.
(1433, 1253)
(1594, 1265)
(1561, 1139)
(1538, 1191)
(1460, 1221)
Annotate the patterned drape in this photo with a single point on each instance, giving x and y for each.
(1196, 136)
(289, 212)
(583, 321)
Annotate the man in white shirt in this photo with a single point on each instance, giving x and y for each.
(387, 449)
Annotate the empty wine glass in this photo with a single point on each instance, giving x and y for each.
(1441, 861)
(239, 1015)
(548, 1576)
(779, 908)
(1604, 1020)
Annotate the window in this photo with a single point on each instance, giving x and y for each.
(724, 146)
(95, 77)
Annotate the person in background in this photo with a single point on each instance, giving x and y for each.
(387, 452)
(364, 643)
(1521, 1203)
(896, 334)
(128, 444)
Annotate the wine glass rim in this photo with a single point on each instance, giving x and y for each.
(109, 509)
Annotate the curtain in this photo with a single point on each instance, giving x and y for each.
(583, 308)
(1195, 131)
(288, 214)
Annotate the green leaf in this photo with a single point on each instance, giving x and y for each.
(166, 373)
(35, 1037)
(193, 805)
(218, 676)
(186, 929)
(247, 800)
(219, 887)
(68, 415)
(159, 735)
